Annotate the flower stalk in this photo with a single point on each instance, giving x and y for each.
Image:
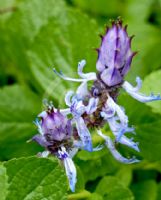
(63, 132)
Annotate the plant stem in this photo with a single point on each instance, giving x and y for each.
(81, 195)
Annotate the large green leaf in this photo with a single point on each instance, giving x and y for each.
(62, 44)
(54, 36)
(3, 182)
(19, 28)
(19, 107)
(34, 178)
(147, 38)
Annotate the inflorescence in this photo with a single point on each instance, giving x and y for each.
(62, 132)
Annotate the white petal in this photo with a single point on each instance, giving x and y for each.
(92, 105)
(73, 151)
(84, 134)
(82, 90)
(43, 114)
(61, 75)
(65, 111)
(138, 96)
(37, 123)
(69, 167)
(129, 142)
(44, 154)
(114, 151)
(88, 76)
(119, 111)
(68, 98)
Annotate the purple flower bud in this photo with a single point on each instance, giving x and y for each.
(55, 126)
(114, 55)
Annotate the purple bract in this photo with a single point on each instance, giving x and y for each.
(114, 55)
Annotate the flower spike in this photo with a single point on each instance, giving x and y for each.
(63, 132)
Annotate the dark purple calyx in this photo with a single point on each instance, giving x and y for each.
(55, 131)
(55, 126)
(114, 55)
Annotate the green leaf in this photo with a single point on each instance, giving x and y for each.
(91, 162)
(3, 182)
(124, 174)
(80, 185)
(101, 7)
(35, 178)
(138, 7)
(111, 188)
(147, 125)
(159, 192)
(152, 83)
(68, 41)
(19, 107)
(147, 38)
(50, 35)
(25, 21)
(145, 190)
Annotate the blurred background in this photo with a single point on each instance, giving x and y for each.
(37, 35)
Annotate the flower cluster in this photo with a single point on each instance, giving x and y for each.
(62, 132)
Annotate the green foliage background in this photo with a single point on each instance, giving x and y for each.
(37, 35)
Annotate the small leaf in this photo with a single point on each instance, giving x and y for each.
(111, 188)
(97, 160)
(19, 106)
(3, 182)
(145, 190)
(152, 83)
(34, 178)
(159, 192)
(124, 174)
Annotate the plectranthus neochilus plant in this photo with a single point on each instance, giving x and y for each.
(62, 132)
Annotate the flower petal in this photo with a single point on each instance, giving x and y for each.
(68, 96)
(130, 143)
(41, 140)
(138, 96)
(37, 123)
(69, 167)
(85, 77)
(92, 105)
(61, 75)
(88, 76)
(84, 134)
(82, 90)
(118, 109)
(115, 153)
(44, 154)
